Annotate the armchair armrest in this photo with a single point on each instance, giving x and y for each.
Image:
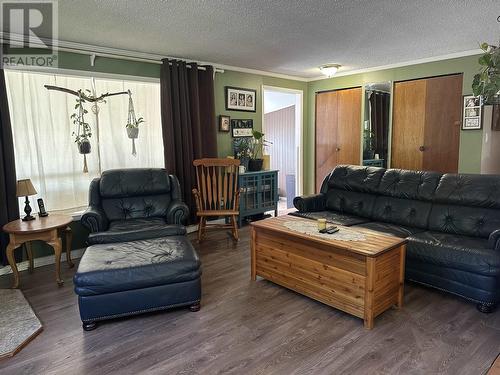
(310, 203)
(177, 213)
(94, 219)
(494, 240)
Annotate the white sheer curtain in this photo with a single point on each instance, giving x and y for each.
(44, 147)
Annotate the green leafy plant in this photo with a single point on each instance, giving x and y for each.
(84, 131)
(487, 81)
(135, 124)
(257, 144)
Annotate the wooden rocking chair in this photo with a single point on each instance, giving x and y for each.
(217, 193)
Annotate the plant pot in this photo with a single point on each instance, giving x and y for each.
(255, 165)
(133, 133)
(84, 147)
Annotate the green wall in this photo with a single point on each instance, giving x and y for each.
(248, 81)
(470, 141)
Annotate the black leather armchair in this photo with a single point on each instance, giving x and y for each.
(133, 204)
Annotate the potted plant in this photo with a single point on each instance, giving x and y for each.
(487, 82)
(84, 131)
(257, 145)
(133, 128)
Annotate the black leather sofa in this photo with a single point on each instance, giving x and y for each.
(452, 222)
(129, 204)
(140, 259)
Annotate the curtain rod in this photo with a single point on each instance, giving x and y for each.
(93, 55)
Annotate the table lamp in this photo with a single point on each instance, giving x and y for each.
(24, 189)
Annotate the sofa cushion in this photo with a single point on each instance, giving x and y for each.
(136, 229)
(124, 266)
(355, 178)
(468, 221)
(122, 183)
(453, 251)
(400, 183)
(350, 202)
(407, 212)
(332, 217)
(469, 190)
(390, 229)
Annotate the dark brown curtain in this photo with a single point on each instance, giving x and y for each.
(9, 209)
(188, 121)
(379, 104)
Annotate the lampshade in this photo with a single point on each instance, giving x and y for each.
(25, 188)
(329, 70)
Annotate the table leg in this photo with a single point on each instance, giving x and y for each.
(57, 245)
(12, 261)
(69, 239)
(29, 251)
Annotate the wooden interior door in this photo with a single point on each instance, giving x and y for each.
(443, 115)
(408, 122)
(326, 134)
(426, 124)
(338, 130)
(349, 126)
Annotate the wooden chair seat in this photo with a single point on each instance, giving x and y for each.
(217, 193)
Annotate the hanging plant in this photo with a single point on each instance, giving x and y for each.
(83, 130)
(132, 123)
(487, 82)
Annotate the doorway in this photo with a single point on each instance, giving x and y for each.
(282, 126)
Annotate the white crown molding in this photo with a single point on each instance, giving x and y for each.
(455, 55)
(152, 58)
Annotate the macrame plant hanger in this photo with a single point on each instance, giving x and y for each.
(133, 132)
(83, 142)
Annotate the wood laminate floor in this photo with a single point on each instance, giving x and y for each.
(247, 327)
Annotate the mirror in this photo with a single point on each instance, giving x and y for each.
(376, 124)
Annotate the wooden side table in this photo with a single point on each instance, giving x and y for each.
(47, 229)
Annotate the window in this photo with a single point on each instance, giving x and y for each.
(44, 147)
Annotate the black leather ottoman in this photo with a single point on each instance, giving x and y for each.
(128, 278)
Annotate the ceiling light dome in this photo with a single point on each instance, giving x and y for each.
(329, 70)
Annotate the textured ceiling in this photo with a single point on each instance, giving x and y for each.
(284, 36)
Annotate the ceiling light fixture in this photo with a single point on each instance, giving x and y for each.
(329, 70)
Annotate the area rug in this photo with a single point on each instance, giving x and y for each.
(18, 323)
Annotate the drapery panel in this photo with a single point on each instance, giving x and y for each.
(45, 149)
(8, 200)
(379, 117)
(188, 121)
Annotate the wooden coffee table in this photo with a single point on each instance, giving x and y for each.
(363, 278)
(47, 229)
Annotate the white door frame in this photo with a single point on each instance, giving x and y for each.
(299, 130)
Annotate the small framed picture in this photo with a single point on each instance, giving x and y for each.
(238, 99)
(242, 128)
(224, 123)
(472, 113)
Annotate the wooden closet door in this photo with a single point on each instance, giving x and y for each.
(338, 130)
(443, 117)
(326, 134)
(408, 123)
(349, 126)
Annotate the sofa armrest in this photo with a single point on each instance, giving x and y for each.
(494, 240)
(177, 213)
(95, 220)
(310, 203)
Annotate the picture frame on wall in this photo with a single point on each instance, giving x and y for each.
(224, 123)
(242, 128)
(240, 99)
(472, 113)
